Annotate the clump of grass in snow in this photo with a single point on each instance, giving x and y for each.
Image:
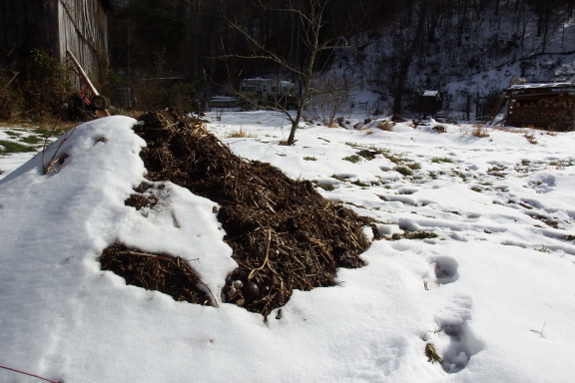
(367, 154)
(419, 235)
(48, 132)
(353, 158)
(33, 140)
(437, 160)
(431, 354)
(14, 147)
(479, 131)
(310, 158)
(403, 170)
(240, 134)
(393, 158)
(385, 125)
(414, 166)
(531, 138)
(439, 128)
(460, 175)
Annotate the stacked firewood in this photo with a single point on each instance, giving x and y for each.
(547, 109)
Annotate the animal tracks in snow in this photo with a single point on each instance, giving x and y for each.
(455, 336)
(445, 270)
(453, 340)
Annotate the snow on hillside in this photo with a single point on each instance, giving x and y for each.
(472, 52)
(478, 261)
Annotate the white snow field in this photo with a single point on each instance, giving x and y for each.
(493, 290)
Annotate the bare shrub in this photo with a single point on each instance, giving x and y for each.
(439, 128)
(385, 125)
(37, 88)
(332, 99)
(530, 136)
(479, 131)
(240, 134)
(10, 100)
(56, 159)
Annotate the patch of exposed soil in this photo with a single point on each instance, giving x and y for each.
(284, 234)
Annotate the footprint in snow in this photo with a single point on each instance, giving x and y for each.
(445, 270)
(462, 343)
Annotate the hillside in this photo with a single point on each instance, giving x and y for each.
(473, 50)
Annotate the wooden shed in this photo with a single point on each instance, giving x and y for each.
(548, 106)
(55, 26)
(431, 102)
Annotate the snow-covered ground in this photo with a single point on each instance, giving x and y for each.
(493, 291)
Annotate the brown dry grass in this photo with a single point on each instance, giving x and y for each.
(385, 125)
(242, 133)
(479, 131)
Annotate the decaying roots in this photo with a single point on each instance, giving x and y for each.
(284, 235)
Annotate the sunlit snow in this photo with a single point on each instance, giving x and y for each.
(494, 292)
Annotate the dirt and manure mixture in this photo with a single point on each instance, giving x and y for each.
(284, 235)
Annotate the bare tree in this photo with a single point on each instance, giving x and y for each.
(333, 100)
(312, 42)
(408, 56)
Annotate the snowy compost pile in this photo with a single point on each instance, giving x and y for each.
(284, 235)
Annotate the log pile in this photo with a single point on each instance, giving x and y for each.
(542, 111)
(542, 107)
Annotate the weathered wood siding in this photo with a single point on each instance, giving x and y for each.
(83, 31)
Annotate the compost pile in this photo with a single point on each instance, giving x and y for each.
(284, 235)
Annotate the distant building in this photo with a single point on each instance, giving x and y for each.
(261, 91)
(431, 102)
(55, 26)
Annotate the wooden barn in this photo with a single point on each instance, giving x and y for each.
(56, 26)
(548, 106)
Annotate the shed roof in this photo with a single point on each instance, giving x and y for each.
(430, 93)
(542, 85)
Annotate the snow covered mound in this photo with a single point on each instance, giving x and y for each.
(478, 269)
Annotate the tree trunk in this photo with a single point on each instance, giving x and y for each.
(408, 58)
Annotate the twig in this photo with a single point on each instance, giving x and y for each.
(46, 168)
(12, 79)
(176, 222)
(140, 254)
(250, 276)
(544, 323)
(25, 373)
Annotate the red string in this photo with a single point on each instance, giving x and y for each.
(25, 373)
